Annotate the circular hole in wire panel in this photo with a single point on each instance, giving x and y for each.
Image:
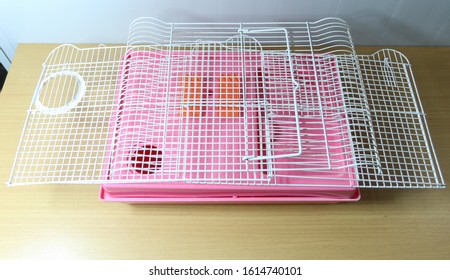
(146, 160)
(60, 92)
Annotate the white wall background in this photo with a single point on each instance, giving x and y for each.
(372, 22)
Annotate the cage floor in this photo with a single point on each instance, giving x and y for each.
(195, 126)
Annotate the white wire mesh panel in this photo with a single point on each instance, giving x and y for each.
(66, 133)
(282, 104)
(406, 153)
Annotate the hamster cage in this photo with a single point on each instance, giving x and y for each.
(227, 112)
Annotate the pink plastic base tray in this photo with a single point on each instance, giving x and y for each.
(184, 193)
(191, 162)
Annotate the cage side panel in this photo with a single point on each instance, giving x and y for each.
(405, 150)
(66, 132)
(328, 35)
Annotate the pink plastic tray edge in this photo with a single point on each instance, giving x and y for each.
(105, 196)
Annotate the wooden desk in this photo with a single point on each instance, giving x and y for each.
(51, 221)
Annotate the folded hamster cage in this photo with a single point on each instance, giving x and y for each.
(227, 112)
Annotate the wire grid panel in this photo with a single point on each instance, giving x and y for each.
(328, 35)
(407, 158)
(213, 121)
(327, 157)
(66, 133)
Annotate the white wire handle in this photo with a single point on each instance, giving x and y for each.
(66, 107)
